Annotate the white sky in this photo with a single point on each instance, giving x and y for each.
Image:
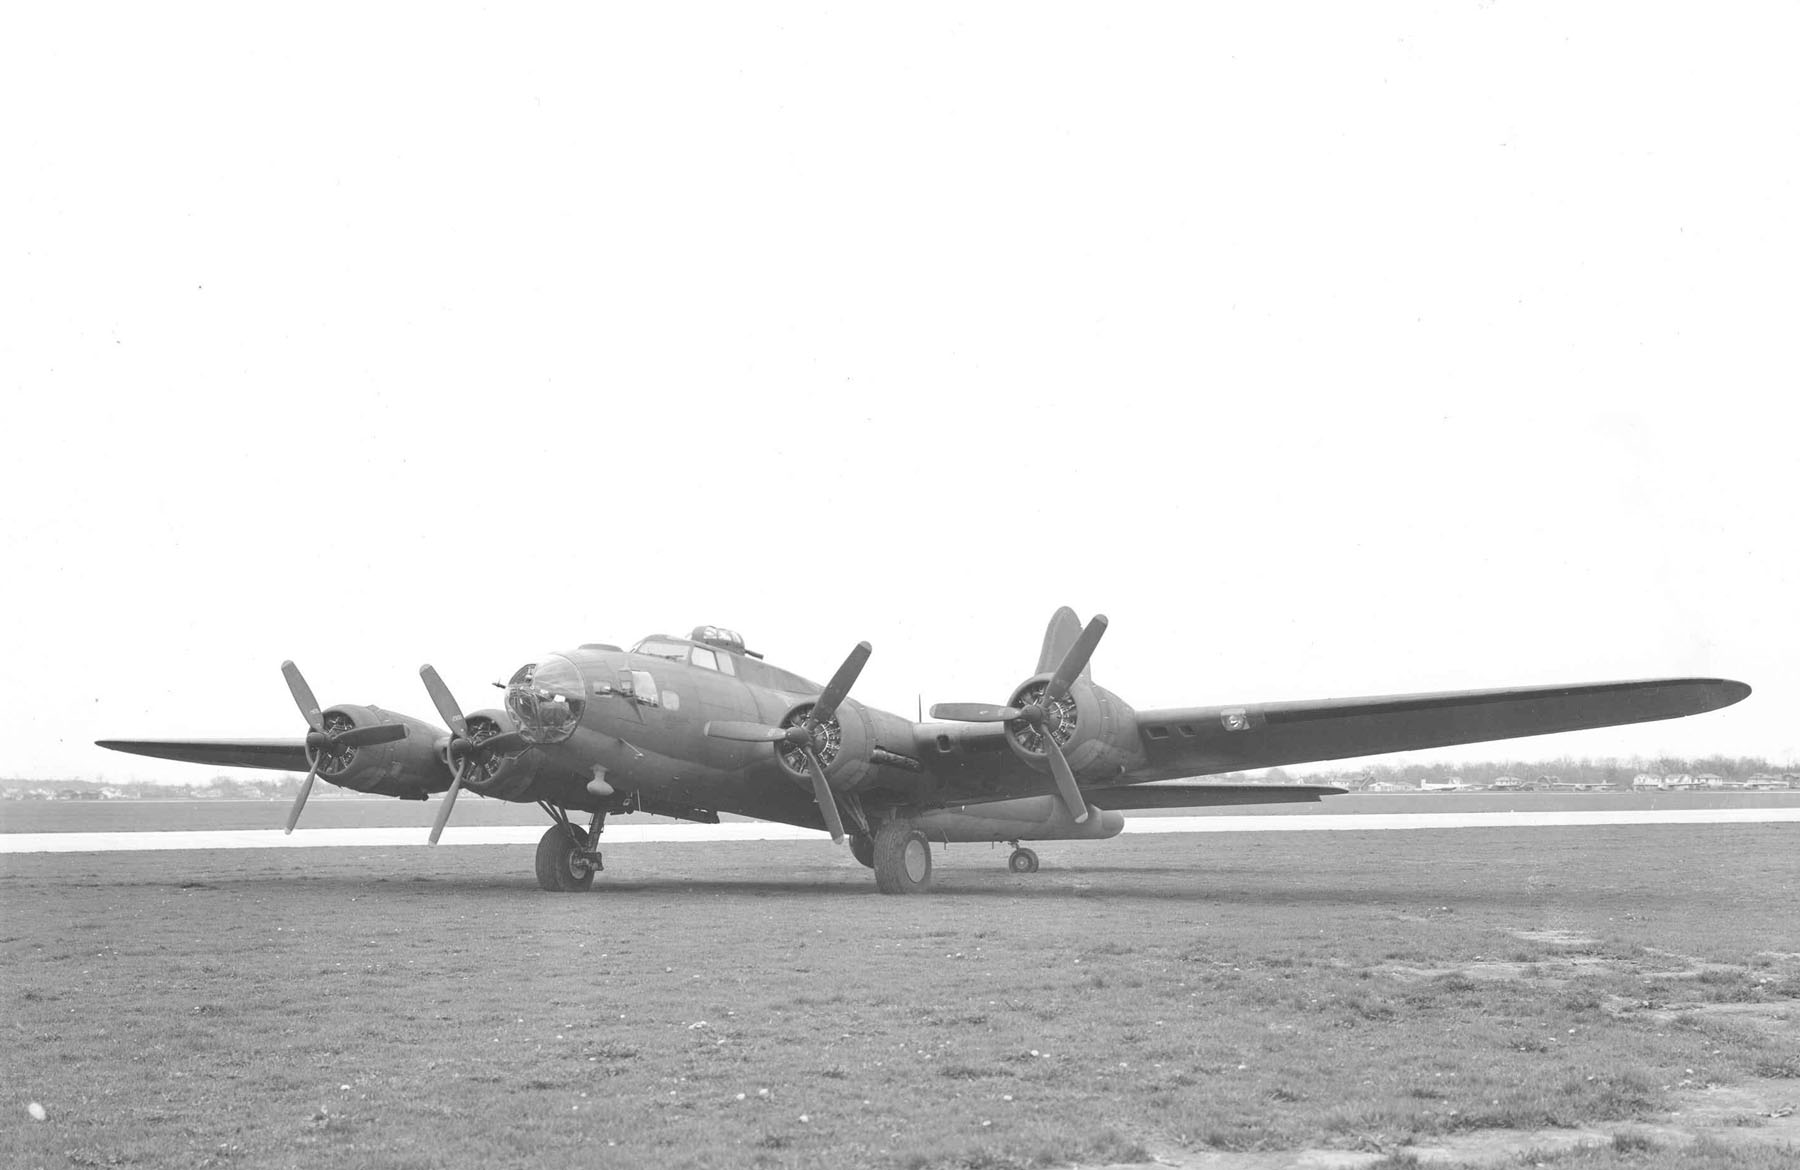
(1327, 350)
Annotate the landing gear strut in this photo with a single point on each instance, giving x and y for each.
(902, 858)
(567, 858)
(863, 849)
(1022, 860)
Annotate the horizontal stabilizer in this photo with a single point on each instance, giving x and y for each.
(281, 755)
(1205, 795)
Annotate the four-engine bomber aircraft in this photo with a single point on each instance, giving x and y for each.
(693, 727)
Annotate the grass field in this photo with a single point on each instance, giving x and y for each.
(1232, 1001)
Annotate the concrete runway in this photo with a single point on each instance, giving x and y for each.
(763, 831)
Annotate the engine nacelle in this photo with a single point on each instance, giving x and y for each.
(1096, 730)
(859, 748)
(409, 767)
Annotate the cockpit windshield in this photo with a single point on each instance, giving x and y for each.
(662, 648)
(546, 700)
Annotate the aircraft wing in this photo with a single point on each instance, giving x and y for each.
(1171, 795)
(1199, 741)
(287, 755)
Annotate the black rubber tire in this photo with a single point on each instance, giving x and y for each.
(1022, 861)
(863, 849)
(902, 859)
(556, 862)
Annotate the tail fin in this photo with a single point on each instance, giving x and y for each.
(1064, 628)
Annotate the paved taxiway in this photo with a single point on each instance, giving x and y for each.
(762, 831)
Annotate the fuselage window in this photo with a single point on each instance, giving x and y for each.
(725, 666)
(700, 656)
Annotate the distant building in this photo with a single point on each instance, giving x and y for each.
(1645, 780)
(1508, 784)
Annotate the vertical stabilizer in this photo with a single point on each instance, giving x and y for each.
(1064, 628)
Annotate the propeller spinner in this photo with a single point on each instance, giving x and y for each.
(463, 749)
(326, 743)
(1042, 716)
(807, 735)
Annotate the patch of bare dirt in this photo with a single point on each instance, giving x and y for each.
(1500, 971)
(1766, 1017)
(1556, 938)
(1750, 1113)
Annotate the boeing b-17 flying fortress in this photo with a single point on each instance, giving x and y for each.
(698, 726)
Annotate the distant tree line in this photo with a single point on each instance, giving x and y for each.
(1602, 773)
(1605, 773)
(280, 786)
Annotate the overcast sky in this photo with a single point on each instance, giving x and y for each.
(1328, 350)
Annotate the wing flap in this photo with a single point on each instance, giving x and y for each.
(287, 755)
(1198, 741)
(1169, 795)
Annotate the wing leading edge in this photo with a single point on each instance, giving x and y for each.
(280, 754)
(1199, 741)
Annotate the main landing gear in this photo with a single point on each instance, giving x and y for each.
(567, 857)
(902, 857)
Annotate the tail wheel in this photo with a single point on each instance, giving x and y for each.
(559, 868)
(1022, 861)
(902, 859)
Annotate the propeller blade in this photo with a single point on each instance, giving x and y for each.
(449, 802)
(974, 712)
(744, 732)
(822, 794)
(305, 790)
(303, 696)
(504, 744)
(1065, 779)
(840, 684)
(368, 736)
(445, 703)
(1076, 660)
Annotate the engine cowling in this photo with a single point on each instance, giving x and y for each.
(1096, 729)
(851, 746)
(409, 767)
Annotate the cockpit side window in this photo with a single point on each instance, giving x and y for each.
(700, 656)
(639, 686)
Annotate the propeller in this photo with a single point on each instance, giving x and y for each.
(462, 748)
(323, 742)
(1044, 712)
(806, 734)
